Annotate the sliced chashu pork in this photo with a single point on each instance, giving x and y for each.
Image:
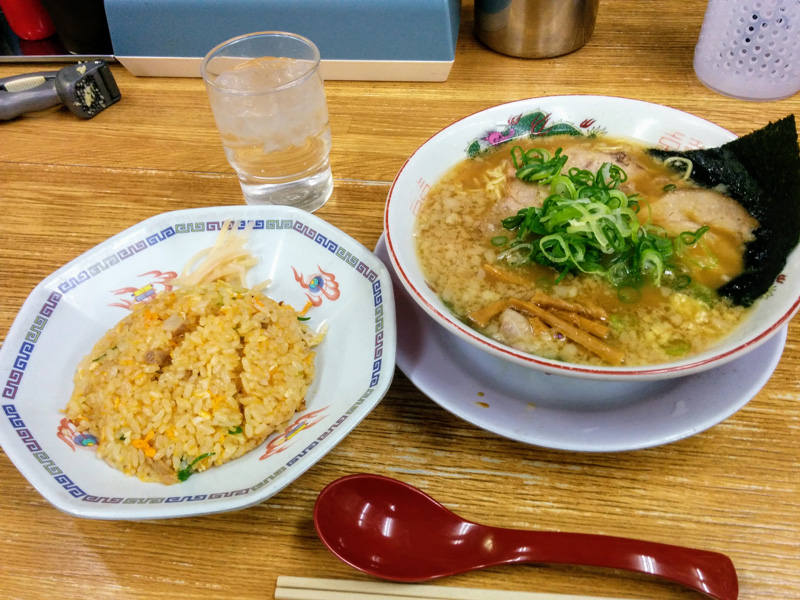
(690, 209)
(730, 227)
(591, 160)
(517, 195)
(522, 194)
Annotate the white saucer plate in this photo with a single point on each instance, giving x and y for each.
(568, 413)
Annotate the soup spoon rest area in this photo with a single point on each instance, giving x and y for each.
(394, 531)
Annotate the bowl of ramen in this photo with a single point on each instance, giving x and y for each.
(183, 367)
(599, 237)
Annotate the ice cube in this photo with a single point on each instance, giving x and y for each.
(263, 74)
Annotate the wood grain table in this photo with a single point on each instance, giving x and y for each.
(67, 185)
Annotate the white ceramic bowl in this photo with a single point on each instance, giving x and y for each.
(71, 309)
(652, 124)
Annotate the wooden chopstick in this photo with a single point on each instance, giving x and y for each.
(310, 588)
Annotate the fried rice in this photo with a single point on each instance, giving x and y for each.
(194, 378)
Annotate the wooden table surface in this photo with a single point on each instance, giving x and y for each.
(67, 185)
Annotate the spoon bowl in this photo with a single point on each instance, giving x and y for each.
(394, 531)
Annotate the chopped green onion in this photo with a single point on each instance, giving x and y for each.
(681, 281)
(589, 225)
(555, 248)
(680, 161)
(517, 254)
(692, 237)
(499, 240)
(652, 264)
(235, 430)
(563, 186)
(537, 164)
(670, 187)
(677, 347)
(629, 294)
(616, 323)
(187, 468)
(303, 318)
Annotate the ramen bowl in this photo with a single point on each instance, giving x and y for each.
(653, 125)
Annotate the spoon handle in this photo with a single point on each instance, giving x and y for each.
(711, 573)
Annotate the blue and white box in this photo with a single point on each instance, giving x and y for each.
(376, 40)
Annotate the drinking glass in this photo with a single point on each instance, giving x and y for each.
(268, 100)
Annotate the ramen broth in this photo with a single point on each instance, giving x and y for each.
(460, 223)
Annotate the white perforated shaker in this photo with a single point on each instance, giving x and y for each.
(750, 49)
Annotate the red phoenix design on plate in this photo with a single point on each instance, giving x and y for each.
(280, 442)
(319, 286)
(158, 281)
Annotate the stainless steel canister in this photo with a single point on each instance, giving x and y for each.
(535, 28)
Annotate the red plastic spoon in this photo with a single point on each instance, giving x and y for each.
(394, 531)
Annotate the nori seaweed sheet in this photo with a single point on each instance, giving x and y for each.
(761, 171)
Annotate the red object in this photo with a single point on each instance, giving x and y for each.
(46, 47)
(28, 19)
(394, 531)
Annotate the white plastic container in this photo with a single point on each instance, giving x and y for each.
(750, 49)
